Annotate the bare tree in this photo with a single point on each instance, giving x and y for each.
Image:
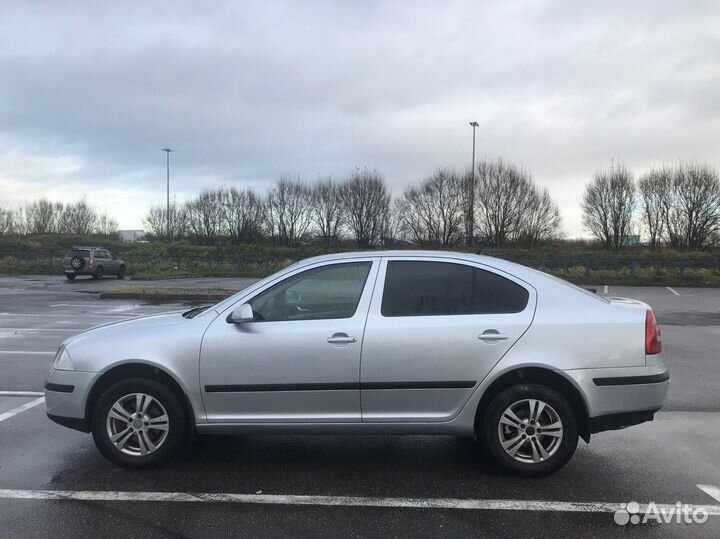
(7, 221)
(541, 219)
(696, 198)
(243, 211)
(107, 225)
(502, 194)
(155, 222)
(654, 188)
(289, 211)
(326, 210)
(608, 206)
(205, 215)
(43, 216)
(366, 206)
(78, 218)
(432, 213)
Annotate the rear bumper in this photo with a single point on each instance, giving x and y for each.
(619, 421)
(621, 397)
(83, 271)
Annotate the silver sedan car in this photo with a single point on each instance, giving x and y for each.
(379, 342)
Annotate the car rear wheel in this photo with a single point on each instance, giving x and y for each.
(99, 272)
(138, 423)
(70, 276)
(530, 430)
(121, 272)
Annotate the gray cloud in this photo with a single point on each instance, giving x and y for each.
(247, 90)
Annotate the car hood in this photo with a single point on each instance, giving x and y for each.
(140, 323)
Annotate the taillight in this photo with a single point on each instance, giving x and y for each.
(653, 339)
(91, 262)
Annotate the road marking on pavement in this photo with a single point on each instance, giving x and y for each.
(344, 501)
(672, 290)
(605, 290)
(65, 330)
(25, 352)
(21, 393)
(75, 315)
(711, 490)
(20, 409)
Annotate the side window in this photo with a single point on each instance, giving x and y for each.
(108, 254)
(98, 254)
(440, 288)
(323, 293)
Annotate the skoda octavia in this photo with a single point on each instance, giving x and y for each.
(382, 343)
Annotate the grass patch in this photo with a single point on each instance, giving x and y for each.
(155, 293)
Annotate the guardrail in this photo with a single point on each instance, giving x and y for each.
(578, 266)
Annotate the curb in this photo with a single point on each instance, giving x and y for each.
(166, 296)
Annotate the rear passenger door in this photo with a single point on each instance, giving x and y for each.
(435, 329)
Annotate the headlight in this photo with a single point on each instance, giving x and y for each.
(62, 360)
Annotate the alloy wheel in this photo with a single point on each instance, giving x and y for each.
(530, 431)
(137, 424)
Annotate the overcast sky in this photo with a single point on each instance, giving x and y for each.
(244, 91)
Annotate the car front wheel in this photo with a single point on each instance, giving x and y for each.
(530, 430)
(138, 423)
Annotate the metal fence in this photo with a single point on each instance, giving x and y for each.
(578, 266)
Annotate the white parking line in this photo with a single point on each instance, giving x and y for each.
(21, 393)
(711, 490)
(343, 501)
(21, 408)
(672, 290)
(605, 290)
(74, 315)
(64, 330)
(25, 352)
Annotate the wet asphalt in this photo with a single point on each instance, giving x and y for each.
(662, 461)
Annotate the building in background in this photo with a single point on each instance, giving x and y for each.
(132, 235)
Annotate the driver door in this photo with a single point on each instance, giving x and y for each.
(299, 359)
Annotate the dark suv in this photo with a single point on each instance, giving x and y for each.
(95, 261)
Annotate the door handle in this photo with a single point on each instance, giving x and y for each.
(341, 338)
(492, 335)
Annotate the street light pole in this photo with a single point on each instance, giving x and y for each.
(470, 223)
(167, 168)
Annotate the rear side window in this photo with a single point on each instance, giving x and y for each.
(415, 288)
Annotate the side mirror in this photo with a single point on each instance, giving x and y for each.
(241, 314)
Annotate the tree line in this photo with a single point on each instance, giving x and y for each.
(359, 208)
(677, 206)
(46, 217)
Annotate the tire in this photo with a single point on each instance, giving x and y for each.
(70, 276)
(559, 444)
(121, 272)
(133, 449)
(99, 272)
(77, 263)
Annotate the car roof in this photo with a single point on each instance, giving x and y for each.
(456, 255)
(85, 248)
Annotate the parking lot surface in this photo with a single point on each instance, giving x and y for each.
(53, 482)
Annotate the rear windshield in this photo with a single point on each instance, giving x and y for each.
(78, 252)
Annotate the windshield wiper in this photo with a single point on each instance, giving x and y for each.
(192, 313)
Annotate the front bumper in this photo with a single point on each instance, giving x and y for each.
(66, 393)
(620, 397)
